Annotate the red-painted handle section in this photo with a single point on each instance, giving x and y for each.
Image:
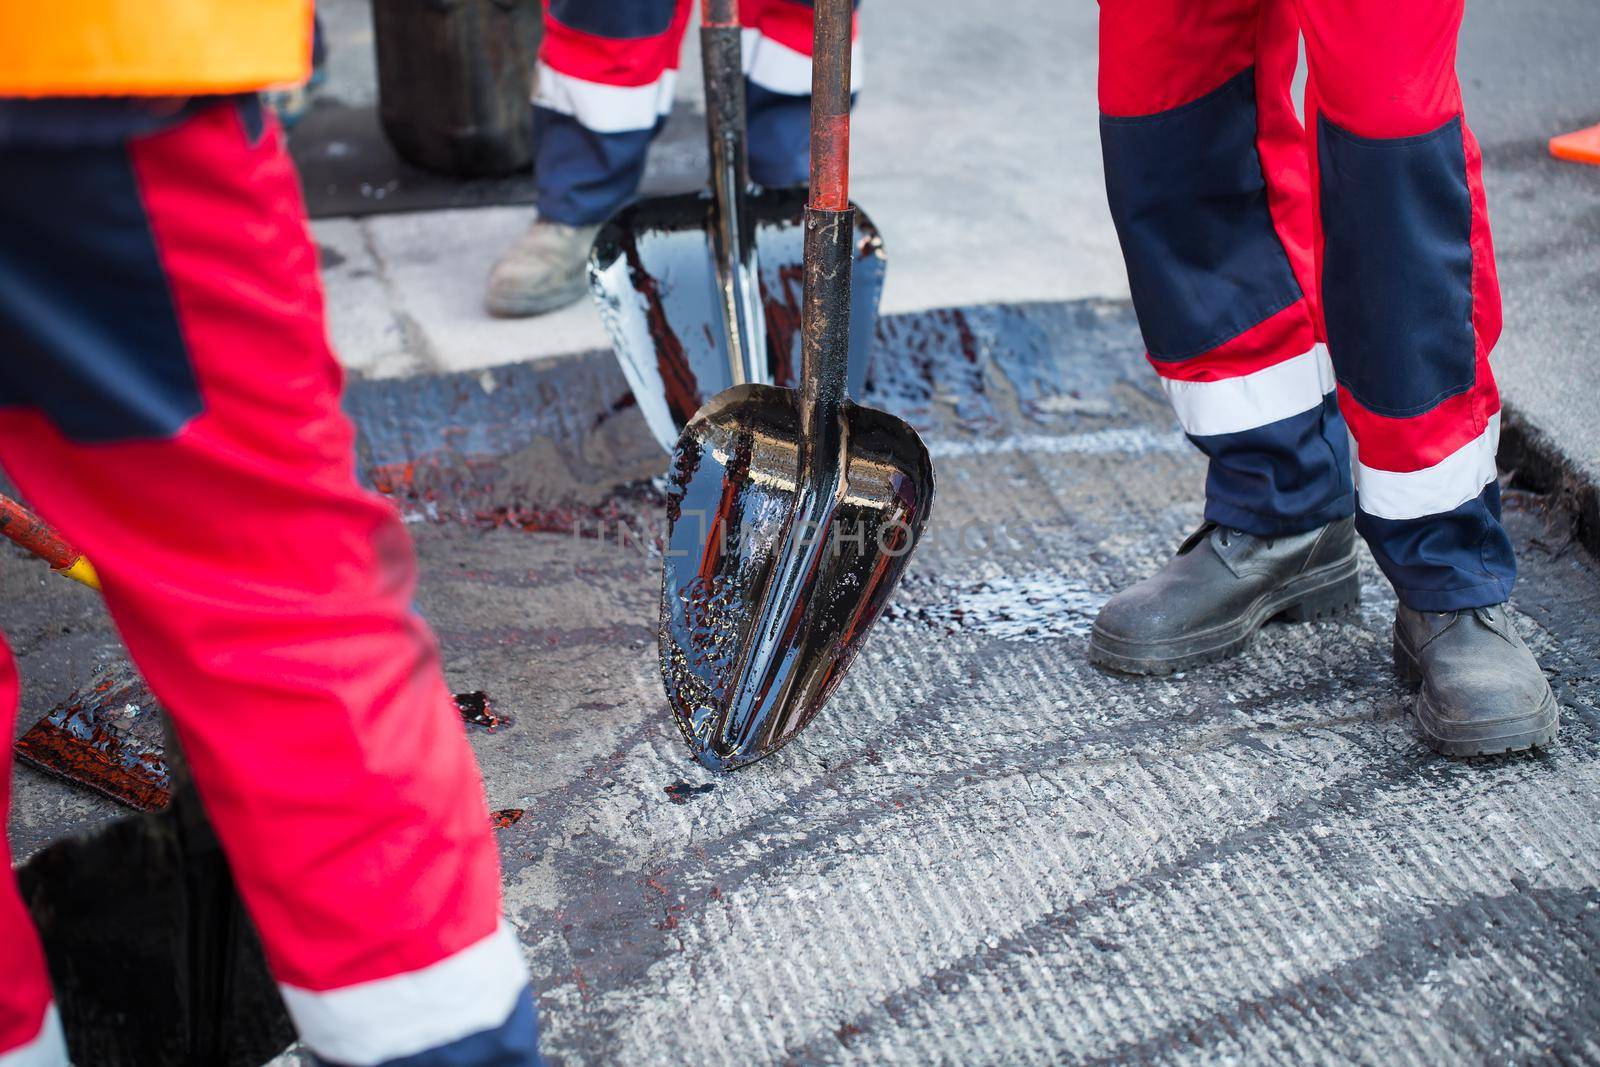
(34, 534)
(830, 163)
(718, 14)
(830, 105)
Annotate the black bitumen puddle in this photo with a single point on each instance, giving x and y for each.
(476, 710)
(349, 169)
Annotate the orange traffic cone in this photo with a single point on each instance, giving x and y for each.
(1580, 146)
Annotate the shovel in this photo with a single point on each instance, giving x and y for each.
(791, 514)
(701, 291)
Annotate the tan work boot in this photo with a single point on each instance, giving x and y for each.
(543, 271)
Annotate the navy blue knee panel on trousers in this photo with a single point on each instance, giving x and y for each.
(1394, 414)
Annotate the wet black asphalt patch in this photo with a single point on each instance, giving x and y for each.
(984, 850)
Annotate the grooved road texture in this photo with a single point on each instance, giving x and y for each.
(983, 850)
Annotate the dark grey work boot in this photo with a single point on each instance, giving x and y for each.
(1221, 587)
(1482, 690)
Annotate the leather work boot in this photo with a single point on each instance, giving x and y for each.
(1482, 691)
(543, 271)
(1221, 587)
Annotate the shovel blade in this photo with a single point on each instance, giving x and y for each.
(731, 507)
(652, 274)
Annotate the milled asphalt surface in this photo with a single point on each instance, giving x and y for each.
(984, 850)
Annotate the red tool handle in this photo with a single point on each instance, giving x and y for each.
(716, 14)
(34, 534)
(830, 104)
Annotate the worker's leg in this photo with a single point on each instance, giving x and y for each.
(1207, 179)
(170, 402)
(1409, 294)
(30, 1030)
(777, 61)
(602, 93)
(1411, 309)
(604, 88)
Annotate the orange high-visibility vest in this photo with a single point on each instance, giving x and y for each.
(151, 47)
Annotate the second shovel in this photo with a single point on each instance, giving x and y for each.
(702, 291)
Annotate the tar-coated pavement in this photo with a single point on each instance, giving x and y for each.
(984, 850)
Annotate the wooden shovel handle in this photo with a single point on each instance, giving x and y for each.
(830, 104)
